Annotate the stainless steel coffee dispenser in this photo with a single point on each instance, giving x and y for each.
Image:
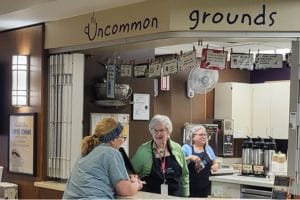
(270, 149)
(258, 157)
(247, 156)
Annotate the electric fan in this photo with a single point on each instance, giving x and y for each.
(201, 81)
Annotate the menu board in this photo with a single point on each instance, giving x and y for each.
(213, 59)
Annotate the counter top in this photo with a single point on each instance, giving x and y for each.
(140, 195)
(243, 180)
(52, 185)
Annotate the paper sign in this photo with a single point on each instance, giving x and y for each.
(293, 120)
(213, 59)
(126, 71)
(241, 61)
(110, 84)
(154, 69)
(141, 106)
(170, 67)
(187, 61)
(140, 70)
(263, 61)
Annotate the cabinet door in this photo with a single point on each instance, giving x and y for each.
(233, 101)
(260, 111)
(280, 102)
(223, 101)
(241, 109)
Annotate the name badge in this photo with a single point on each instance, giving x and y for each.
(164, 189)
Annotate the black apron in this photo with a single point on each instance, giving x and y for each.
(173, 173)
(199, 182)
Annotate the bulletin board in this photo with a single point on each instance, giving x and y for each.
(122, 118)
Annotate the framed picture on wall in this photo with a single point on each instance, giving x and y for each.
(22, 143)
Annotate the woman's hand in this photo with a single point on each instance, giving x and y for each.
(135, 180)
(194, 158)
(214, 166)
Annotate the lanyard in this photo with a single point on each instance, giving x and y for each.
(163, 161)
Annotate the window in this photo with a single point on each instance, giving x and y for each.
(20, 68)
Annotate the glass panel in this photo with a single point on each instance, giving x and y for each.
(14, 59)
(22, 80)
(14, 67)
(14, 80)
(14, 100)
(22, 67)
(19, 80)
(22, 93)
(22, 60)
(22, 100)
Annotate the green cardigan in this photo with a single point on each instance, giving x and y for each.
(142, 162)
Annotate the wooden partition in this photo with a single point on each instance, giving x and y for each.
(25, 41)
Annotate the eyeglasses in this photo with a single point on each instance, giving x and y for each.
(154, 131)
(123, 138)
(201, 134)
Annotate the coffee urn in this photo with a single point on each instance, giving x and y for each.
(247, 156)
(258, 157)
(270, 149)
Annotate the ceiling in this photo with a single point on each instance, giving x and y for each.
(19, 13)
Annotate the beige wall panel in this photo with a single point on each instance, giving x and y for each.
(71, 31)
(274, 15)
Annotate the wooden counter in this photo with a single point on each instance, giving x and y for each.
(52, 185)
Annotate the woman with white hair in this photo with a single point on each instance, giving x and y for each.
(201, 161)
(160, 162)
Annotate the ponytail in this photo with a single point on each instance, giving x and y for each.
(88, 144)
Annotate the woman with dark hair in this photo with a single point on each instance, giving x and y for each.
(100, 170)
(160, 162)
(201, 161)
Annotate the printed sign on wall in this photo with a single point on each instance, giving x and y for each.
(263, 61)
(22, 143)
(241, 61)
(213, 59)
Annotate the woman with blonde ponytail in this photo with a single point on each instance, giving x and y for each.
(100, 171)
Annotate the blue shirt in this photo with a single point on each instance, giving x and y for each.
(187, 150)
(96, 174)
